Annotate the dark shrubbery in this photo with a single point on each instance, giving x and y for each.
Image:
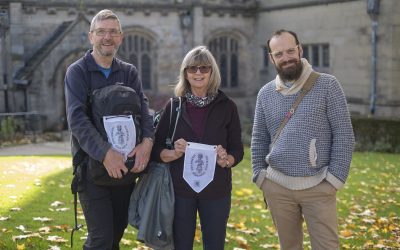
(372, 134)
(379, 135)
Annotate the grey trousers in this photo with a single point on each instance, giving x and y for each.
(315, 205)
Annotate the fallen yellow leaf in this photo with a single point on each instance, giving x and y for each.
(346, 233)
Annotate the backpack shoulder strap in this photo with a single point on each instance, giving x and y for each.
(176, 105)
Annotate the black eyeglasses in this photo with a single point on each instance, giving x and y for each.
(104, 32)
(193, 69)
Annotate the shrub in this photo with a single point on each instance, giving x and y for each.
(376, 134)
(8, 128)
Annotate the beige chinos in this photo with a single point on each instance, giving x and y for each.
(317, 205)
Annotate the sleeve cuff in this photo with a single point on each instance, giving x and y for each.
(334, 181)
(261, 177)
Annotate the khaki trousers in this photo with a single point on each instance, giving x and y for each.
(316, 205)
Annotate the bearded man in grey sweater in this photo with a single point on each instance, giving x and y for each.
(300, 172)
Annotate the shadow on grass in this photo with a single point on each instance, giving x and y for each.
(46, 212)
(49, 225)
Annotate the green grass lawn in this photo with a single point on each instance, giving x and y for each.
(36, 206)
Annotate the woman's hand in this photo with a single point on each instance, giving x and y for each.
(180, 147)
(168, 155)
(223, 159)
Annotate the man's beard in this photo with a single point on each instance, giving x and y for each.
(292, 73)
(107, 53)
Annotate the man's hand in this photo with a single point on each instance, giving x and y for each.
(114, 164)
(142, 155)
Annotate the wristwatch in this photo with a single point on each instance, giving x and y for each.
(149, 138)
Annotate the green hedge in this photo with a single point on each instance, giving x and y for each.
(374, 134)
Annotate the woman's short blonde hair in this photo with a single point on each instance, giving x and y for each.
(199, 55)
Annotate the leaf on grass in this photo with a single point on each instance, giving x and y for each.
(244, 191)
(345, 246)
(126, 242)
(57, 204)
(56, 238)
(249, 231)
(45, 230)
(242, 242)
(42, 219)
(363, 228)
(346, 233)
(54, 248)
(15, 209)
(62, 209)
(259, 206)
(239, 226)
(64, 227)
(21, 228)
(26, 236)
(383, 221)
(368, 221)
(270, 229)
(367, 213)
(270, 246)
(21, 247)
(5, 218)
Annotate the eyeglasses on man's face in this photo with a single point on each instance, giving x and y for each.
(279, 54)
(193, 69)
(104, 32)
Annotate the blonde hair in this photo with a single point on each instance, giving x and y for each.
(199, 55)
(104, 15)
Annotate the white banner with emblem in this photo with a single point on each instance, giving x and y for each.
(121, 133)
(199, 165)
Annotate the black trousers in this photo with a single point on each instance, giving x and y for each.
(106, 214)
(213, 213)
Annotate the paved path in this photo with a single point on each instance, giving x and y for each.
(45, 148)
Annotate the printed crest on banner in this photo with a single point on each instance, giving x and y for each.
(120, 136)
(199, 164)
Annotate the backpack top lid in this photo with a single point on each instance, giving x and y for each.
(115, 99)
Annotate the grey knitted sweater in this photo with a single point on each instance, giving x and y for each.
(316, 144)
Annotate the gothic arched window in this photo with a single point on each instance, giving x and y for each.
(226, 51)
(137, 49)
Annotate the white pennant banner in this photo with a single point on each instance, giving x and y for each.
(121, 133)
(199, 165)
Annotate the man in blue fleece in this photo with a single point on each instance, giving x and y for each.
(300, 173)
